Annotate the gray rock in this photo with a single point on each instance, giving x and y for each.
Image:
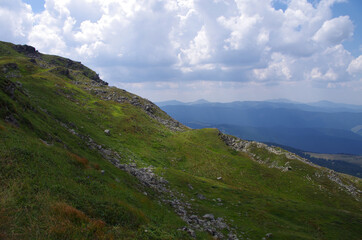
(9, 89)
(209, 216)
(107, 132)
(189, 231)
(201, 197)
(11, 119)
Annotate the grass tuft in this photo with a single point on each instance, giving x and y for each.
(83, 162)
(69, 222)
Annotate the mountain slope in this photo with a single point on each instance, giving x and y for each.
(82, 160)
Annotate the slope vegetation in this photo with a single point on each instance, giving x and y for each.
(82, 160)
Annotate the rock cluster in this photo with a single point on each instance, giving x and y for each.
(122, 96)
(333, 176)
(29, 51)
(11, 70)
(207, 223)
(149, 179)
(10, 88)
(9, 67)
(243, 146)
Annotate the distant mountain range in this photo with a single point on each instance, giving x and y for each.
(323, 127)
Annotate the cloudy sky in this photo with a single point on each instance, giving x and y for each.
(219, 50)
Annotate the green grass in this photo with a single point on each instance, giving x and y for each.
(52, 186)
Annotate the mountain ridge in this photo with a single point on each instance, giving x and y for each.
(82, 160)
(307, 129)
(320, 106)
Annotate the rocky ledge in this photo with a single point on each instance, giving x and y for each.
(122, 96)
(240, 145)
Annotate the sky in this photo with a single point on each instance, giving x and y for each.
(219, 50)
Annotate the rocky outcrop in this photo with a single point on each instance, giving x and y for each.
(10, 70)
(122, 96)
(244, 146)
(61, 71)
(10, 88)
(68, 64)
(333, 176)
(27, 50)
(9, 67)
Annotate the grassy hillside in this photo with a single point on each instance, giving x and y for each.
(82, 160)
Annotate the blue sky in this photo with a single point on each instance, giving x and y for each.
(352, 8)
(219, 50)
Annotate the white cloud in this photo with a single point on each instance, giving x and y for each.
(242, 28)
(278, 68)
(245, 41)
(16, 20)
(334, 31)
(198, 50)
(355, 67)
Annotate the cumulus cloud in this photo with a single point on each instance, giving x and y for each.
(241, 41)
(16, 20)
(334, 31)
(355, 67)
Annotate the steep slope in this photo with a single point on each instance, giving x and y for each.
(82, 160)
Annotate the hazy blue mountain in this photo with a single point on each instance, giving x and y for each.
(175, 102)
(322, 106)
(170, 103)
(319, 127)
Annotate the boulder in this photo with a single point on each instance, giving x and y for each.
(201, 197)
(209, 216)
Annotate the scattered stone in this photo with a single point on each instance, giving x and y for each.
(219, 178)
(243, 146)
(10, 67)
(18, 84)
(107, 132)
(209, 216)
(102, 171)
(201, 197)
(167, 196)
(46, 143)
(11, 119)
(189, 231)
(148, 108)
(109, 94)
(9, 88)
(190, 186)
(268, 235)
